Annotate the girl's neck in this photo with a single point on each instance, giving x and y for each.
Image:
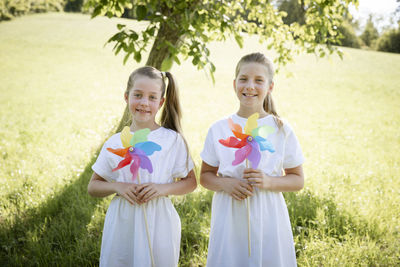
(246, 112)
(137, 126)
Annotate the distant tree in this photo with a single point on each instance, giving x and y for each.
(349, 37)
(390, 41)
(185, 27)
(370, 33)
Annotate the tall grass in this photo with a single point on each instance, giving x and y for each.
(61, 97)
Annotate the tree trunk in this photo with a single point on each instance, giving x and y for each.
(158, 53)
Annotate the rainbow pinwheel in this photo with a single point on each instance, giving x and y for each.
(136, 149)
(251, 142)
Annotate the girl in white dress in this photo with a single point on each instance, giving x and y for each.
(124, 241)
(271, 239)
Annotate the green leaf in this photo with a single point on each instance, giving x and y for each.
(126, 58)
(166, 64)
(195, 61)
(96, 11)
(239, 40)
(176, 59)
(137, 56)
(141, 12)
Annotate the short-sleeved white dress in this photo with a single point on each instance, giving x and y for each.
(271, 234)
(124, 241)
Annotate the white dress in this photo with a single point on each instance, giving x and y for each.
(271, 235)
(124, 241)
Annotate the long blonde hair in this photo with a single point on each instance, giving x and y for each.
(260, 58)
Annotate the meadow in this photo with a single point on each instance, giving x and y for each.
(61, 96)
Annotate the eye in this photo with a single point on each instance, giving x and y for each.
(152, 97)
(242, 79)
(137, 95)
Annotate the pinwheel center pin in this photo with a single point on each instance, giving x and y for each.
(250, 138)
(131, 149)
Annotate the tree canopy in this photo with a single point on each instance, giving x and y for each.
(182, 29)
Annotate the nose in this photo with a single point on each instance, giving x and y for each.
(250, 85)
(144, 101)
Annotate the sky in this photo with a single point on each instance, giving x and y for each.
(381, 9)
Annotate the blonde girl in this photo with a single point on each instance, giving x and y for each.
(124, 241)
(281, 171)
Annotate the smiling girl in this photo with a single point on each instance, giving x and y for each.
(124, 241)
(281, 171)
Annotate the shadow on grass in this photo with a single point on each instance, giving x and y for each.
(56, 232)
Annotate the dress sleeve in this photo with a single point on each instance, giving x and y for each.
(209, 155)
(183, 163)
(293, 156)
(102, 166)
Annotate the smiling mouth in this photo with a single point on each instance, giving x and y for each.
(249, 95)
(142, 111)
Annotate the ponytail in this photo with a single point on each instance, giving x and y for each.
(269, 107)
(172, 113)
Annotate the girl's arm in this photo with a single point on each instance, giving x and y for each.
(237, 188)
(99, 187)
(293, 180)
(148, 191)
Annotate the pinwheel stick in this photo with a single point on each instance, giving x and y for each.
(248, 218)
(147, 229)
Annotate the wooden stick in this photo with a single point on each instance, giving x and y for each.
(248, 218)
(147, 228)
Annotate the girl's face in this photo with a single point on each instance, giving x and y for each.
(252, 85)
(144, 99)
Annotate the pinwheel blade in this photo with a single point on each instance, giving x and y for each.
(135, 166)
(251, 123)
(148, 147)
(140, 136)
(264, 144)
(126, 136)
(119, 151)
(241, 154)
(145, 163)
(236, 129)
(263, 131)
(254, 156)
(123, 162)
(233, 142)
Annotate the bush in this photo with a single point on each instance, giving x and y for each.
(74, 5)
(389, 41)
(12, 8)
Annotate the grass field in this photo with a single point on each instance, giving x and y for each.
(61, 97)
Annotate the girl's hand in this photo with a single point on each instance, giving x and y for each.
(257, 178)
(239, 189)
(128, 191)
(149, 191)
